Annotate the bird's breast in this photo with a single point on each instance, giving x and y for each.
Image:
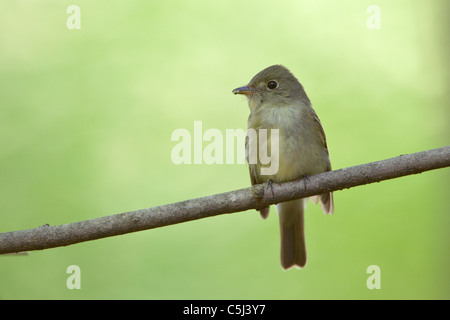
(295, 152)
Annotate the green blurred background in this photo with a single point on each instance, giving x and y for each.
(86, 118)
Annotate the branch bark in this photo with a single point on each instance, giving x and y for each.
(255, 197)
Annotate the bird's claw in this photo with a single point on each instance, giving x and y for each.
(270, 183)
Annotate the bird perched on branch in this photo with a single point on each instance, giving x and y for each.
(286, 125)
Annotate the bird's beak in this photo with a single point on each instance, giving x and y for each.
(244, 90)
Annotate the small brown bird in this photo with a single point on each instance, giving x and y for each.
(277, 100)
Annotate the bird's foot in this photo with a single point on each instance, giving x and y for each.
(270, 183)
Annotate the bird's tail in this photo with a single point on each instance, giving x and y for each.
(326, 202)
(292, 233)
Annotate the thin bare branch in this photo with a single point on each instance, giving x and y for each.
(256, 197)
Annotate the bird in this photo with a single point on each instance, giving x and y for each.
(278, 101)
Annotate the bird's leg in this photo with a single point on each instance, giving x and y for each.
(305, 181)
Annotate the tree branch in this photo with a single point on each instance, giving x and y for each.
(255, 197)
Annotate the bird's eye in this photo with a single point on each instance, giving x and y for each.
(272, 84)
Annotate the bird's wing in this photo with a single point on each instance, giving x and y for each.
(323, 138)
(253, 179)
(326, 199)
